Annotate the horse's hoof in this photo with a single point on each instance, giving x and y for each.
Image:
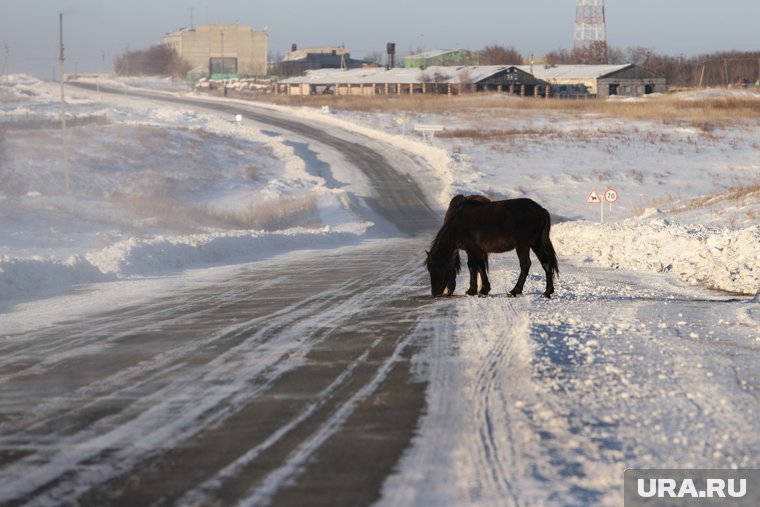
(470, 292)
(511, 294)
(548, 296)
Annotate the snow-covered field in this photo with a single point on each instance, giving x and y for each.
(636, 362)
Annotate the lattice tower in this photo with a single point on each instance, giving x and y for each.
(590, 29)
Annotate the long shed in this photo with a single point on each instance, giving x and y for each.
(431, 80)
(601, 80)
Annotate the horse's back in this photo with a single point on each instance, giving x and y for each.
(458, 201)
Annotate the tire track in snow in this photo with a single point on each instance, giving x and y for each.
(178, 411)
(477, 371)
(52, 414)
(498, 455)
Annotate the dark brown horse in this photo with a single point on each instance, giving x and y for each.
(453, 206)
(480, 228)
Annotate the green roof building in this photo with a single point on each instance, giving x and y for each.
(441, 58)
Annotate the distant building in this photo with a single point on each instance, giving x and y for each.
(431, 80)
(299, 61)
(601, 80)
(522, 80)
(215, 50)
(441, 57)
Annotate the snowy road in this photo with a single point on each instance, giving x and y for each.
(329, 377)
(283, 372)
(278, 382)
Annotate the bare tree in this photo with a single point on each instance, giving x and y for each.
(159, 60)
(495, 54)
(375, 57)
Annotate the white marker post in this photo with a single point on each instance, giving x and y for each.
(595, 198)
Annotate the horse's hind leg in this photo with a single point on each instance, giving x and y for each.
(473, 264)
(523, 254)
(544, 259)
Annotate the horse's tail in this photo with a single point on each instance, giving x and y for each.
(547, 246)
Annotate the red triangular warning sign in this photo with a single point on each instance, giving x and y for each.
(593, 197)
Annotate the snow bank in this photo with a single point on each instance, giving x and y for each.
(161, 254)
(719, 258)
(139, 257)
(21, 277)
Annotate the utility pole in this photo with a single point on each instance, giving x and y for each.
(222, 71)
(63, 111)
(5, 62)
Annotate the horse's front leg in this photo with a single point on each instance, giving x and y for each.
(524, 255)
(473, 264)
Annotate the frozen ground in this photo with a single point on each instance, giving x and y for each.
(635, 363)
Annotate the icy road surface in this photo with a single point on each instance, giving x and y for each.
(330, 377)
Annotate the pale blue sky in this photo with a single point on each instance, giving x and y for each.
(92, 27)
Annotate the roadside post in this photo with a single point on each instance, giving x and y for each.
(595, 198)
(610, 195)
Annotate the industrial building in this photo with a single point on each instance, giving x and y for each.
(522, 80)
(221, 50)
(299, 61)
(602, 81)
(396, 81)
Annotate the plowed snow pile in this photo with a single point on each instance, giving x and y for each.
(718, 258)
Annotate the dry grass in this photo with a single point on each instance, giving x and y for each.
(154, 210)
(739, 195)
(495, 135)
(273, 215)
(707, 112)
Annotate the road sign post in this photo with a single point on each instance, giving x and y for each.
(610, 195)
(595, 198)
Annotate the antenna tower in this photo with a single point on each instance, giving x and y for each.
(590, 41)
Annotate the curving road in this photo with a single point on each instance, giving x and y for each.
(287, 384)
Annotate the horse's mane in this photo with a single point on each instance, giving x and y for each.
(444, 244)
(443, 239)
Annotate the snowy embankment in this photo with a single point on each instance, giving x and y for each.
(720, 259)
(160, 255)
(154, 190)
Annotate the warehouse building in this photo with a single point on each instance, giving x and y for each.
(221, 50)
(523, 80)
(431, 80)
(299, 60)
(602, 81)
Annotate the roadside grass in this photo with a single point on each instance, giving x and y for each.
(706, 113)
(741, 202)
(152, 211)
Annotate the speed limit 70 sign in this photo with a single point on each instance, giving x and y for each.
(610, 195)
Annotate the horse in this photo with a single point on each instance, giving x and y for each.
(453, 206)
(480, 228)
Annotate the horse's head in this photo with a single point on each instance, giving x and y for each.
(443, 274)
